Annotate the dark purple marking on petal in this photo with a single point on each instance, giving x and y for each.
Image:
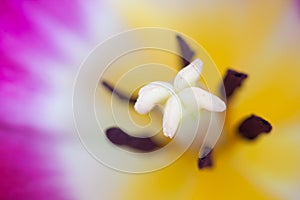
(205, 161)
(186, 52)
(143, 144)
(232, 81)
(253, 126)
(117, 136)
(118, 93)
(120, 138)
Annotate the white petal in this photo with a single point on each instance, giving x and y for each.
(188, 75)
(203, 98)
(152, 94)
(172, 116)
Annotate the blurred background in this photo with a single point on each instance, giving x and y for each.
(44, 42)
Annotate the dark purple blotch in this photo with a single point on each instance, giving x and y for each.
(118, 93)
(205, 160)
(253, 126)
(117, 136)
(120, 138)
(186, 52)
(232, 81)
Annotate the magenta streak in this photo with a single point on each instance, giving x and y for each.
(20, 85)
(18, 35)
(19, 92)
(28, 168)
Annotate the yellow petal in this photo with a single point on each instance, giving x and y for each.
(272, 163)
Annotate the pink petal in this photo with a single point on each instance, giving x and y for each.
(28, 165)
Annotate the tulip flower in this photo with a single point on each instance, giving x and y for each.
(43, 44)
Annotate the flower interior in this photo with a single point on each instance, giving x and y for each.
(175, 98)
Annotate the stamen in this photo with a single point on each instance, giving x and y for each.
(254, 126)
(232, 81)
(186, 52)
(205, 161)
(119, 94)
(118, 137)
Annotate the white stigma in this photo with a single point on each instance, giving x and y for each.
(172, 116)
(189, 75)
(151, 95)
(183, 91)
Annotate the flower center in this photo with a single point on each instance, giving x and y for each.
(173, 96)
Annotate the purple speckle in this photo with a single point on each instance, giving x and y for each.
(253, 126)
(205, 161)
(120, 138)
(118, 93)
(232, 81)
(186, 52)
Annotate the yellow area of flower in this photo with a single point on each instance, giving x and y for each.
(272, 162)
(255, 37)
(183, 180)
(229, 30)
